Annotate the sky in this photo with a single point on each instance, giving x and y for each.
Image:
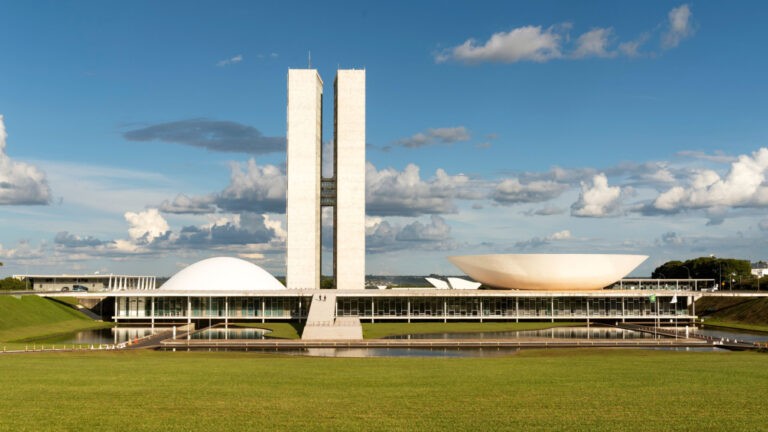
(140, 137)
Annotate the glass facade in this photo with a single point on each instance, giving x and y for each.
(406, 307)
(211, 307)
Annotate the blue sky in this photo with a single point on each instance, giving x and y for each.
(144, 136)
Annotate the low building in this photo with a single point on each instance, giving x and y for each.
(90, 282)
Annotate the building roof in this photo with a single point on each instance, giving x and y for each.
(547, 272)
(222, 274)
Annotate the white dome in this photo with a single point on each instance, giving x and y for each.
(548, 272)
(222, 274)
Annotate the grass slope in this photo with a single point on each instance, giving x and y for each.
(738, 312)
(577, 390)
(379, 330)
(25, 318)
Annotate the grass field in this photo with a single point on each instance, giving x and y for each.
(27, 318)
(580, 390)
(379, 330)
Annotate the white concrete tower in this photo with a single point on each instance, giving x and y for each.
(305, 132)
(349, 173)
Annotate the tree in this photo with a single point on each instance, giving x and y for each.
(12, 284)
(719, 269)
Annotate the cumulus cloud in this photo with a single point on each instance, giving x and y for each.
(545, 211)
(214, 135)
(717, 157)
(680, 27)
(243, 229)
(671, 238)
(446, 135)
(230, 61)
(20, 183)
(537, 44)
(537, 242)
(531, 43)
(437, 229)
(743, 186)
(256, 188)
(24, 252)
(383, 236)
(597, 199)
(390, 192)
(512, 191)
(146, 226)
(594, 43)
(184, 204)
(66, 239)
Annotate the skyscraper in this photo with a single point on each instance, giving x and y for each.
(349, 172)
(308, 192)
(305, 133)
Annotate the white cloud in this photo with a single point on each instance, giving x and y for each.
(743, 186)
(537, 242)
(560, 235)
(594, 43)
(383, 236)
(146, 226)
(20, 183)
(511, 191)
(184, 204)
(257, 188)
(436, 136)
(230, 61)
(597, 199)
(403, 193)
(680, 27)
(529, 43)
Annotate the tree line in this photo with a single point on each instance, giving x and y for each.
(727, 272)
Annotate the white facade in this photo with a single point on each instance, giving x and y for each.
(547, 272)
(349, 172)
(305, 99)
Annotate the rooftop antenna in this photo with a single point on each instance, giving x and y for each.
(309, 59)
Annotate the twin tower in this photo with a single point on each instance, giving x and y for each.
(308, 191)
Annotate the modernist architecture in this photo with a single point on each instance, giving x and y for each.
(93, 282)
(548, 272)
(308, 191)
(522, 287)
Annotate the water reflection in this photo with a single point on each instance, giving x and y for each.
(741, 335)
(114, 335)
(230, 333)
(551, 333)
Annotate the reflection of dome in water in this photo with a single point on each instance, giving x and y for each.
(222, 274)
(547, 272)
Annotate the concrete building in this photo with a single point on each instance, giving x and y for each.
(308, 192)
(91, 282)
(349, 172)
(304, 149)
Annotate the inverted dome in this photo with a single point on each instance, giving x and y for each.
(547, 272)
(222, 274)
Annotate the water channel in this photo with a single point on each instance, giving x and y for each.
(123, 334)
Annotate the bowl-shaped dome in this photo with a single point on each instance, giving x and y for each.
(547, 272)
(222, 274)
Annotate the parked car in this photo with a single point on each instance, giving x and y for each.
(79, 288)
(64, 289)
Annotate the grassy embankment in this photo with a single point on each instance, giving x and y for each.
(734, 312)
(24, 319)
(577, 390)
(380, 330)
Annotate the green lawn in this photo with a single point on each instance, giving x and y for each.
(28, 318)
(734, 325)
(580, 390)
